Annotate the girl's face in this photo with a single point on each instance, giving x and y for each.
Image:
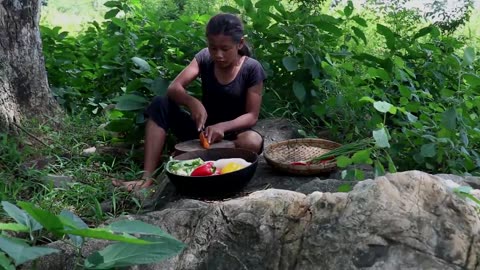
(223, 50)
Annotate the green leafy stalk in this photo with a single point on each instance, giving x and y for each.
(346, 149)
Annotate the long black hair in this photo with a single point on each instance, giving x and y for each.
(229, 25)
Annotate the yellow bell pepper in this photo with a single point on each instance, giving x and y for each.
(231, 167)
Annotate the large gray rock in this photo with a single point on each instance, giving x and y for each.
(276, 129)
(406, 220)
(472, 181)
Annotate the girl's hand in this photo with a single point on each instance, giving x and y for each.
(214, 133)
(199, 114)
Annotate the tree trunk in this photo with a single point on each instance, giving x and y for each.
(24, 90)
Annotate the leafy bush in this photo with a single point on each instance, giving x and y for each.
(399, 80)
(416, 94)
(152, 244)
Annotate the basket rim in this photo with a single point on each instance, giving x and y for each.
(311, 168)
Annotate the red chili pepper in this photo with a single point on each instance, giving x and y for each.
(300, 163)
(204, 170)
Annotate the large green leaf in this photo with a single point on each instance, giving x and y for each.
(362, 157)
(348, 10)
(111, 13)
(359, 174)
(378, 73)
(48, 220)
(21, 216)
(367, 99)
(112, 4)
(290, 63)
(411, 118)
(131, 102)
(299, 91)
(137, 227)
(449, 119)
(378, 169)
(365, 57)
(359, 33)
(388, 34)
(78, 222)
(472, 79)
(330, 28)
(309, 60)
(384, 107)
(405, 92)
(142, 64)
(344, 188)
(120, 23)
(123, 254)
(428, 150)
(381, 138)
(5, 262)
(16, 227)
(101, 233)
(20, 252)
(423, 32)
(343, 161)
(391, 165)
(120, 125)
(468, 56)
(360, 21)
(248, 6)
(464, 189)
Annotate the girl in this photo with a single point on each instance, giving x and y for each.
(232, 84)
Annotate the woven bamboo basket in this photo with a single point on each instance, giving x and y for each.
(281, 155)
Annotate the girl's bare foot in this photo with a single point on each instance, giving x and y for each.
(133, 185)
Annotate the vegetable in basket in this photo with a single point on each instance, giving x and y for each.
(343, 150)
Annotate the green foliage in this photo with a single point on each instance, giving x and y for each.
(359, 73)
(31, 175)
(421, 104)
(153, 246)
(107, 62)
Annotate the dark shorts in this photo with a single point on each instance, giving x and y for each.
(171, 117)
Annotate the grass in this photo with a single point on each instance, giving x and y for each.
(58, 151)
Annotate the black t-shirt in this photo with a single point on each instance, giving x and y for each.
(226, 102)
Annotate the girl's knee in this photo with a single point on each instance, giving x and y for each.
(250, 140)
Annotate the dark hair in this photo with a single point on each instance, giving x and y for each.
(229, 25)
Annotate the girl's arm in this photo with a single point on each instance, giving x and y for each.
(176, 91)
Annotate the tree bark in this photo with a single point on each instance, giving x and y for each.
(24, 90)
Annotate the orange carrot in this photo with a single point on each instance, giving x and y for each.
(203, 141)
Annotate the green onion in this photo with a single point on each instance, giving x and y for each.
(346, 149)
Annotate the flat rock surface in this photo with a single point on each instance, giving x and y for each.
(407, 220)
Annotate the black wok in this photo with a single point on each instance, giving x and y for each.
(216, 185)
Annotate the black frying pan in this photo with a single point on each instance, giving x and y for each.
(217, 185)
